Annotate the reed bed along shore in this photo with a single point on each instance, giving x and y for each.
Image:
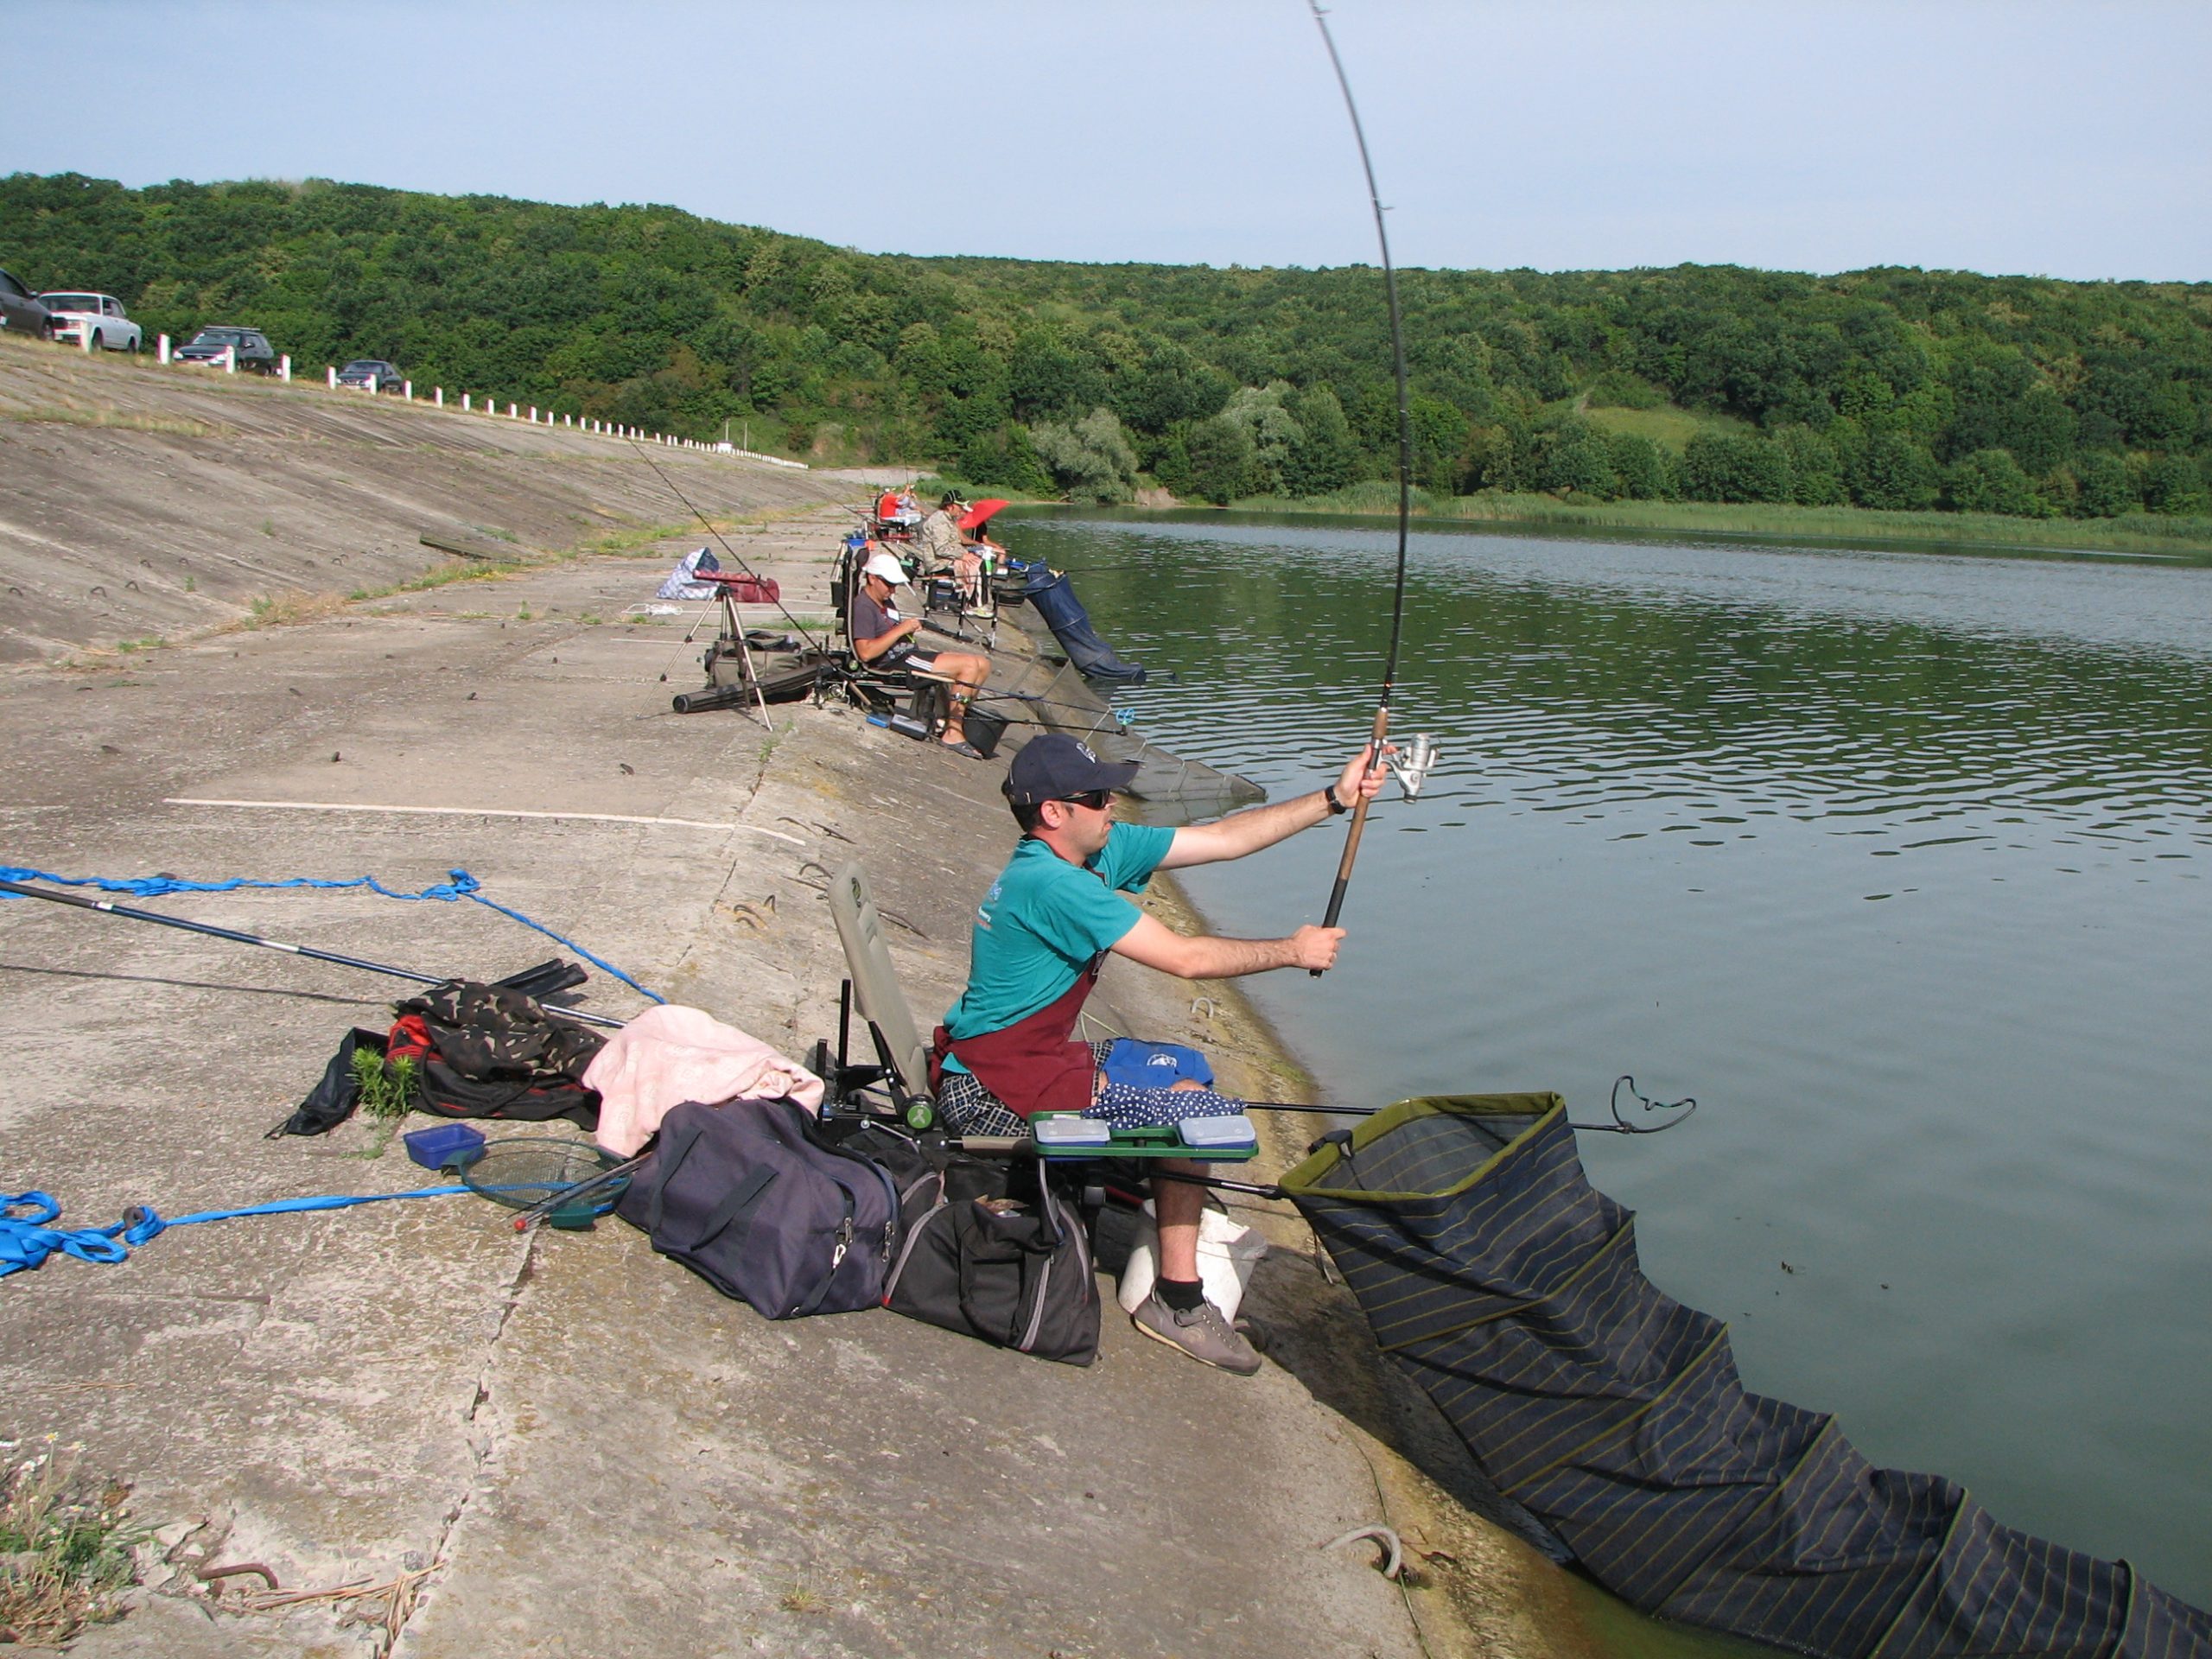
(2189, 537)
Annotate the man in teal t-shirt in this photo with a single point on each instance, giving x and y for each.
(1058, 910)
(1045, 921)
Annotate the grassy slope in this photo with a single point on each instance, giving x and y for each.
(1666, 425)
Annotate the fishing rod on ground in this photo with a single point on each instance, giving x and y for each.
(1415, 769)
(727, 548)
(534, 983)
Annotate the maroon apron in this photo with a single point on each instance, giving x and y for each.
(1032, 1065)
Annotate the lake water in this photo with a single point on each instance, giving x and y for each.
(1895, 861)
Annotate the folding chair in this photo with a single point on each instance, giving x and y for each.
(925, 699)
(902, 1068)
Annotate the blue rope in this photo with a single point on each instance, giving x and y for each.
(26, 1240)
(463, 886)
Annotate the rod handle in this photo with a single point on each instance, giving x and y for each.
(1358, 827)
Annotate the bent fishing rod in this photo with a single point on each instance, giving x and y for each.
(109, 907)
(1378, 747)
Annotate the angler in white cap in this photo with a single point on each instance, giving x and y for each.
(883, 638)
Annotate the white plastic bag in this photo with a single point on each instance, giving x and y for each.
(1228, 1251)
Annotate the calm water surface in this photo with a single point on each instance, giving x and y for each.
(1897, 861)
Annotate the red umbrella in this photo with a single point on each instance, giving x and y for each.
(976, 516)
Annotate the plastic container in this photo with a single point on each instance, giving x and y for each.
(1066, 1129)
(1226, 1132)
(905, 725)
(985, 730)
(446, 1145)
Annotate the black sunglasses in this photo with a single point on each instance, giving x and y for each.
(1096, 799)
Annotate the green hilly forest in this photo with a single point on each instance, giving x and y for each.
(1890, 388)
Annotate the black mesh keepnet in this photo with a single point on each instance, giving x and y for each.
(1509, 1285)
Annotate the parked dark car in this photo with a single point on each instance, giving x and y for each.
(373, 373)
(21, 312)
(254, 350)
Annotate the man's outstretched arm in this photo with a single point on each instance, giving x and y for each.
(1204, 956)
(1263, 826)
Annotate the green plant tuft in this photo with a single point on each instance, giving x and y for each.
(65, 1551)
(387, 1086)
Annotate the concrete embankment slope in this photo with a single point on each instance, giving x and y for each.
(140, 502)
(563, 1444)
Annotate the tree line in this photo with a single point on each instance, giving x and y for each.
(1881, 388)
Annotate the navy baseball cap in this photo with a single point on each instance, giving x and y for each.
(1054, 767)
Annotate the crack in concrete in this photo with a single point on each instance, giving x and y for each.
(484, 1449)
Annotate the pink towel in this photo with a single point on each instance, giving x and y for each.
(668, 1055)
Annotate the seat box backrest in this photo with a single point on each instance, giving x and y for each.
(875, 982)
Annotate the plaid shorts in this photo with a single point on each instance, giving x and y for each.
(970, 1109)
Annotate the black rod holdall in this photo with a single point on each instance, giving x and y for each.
(751, 1197)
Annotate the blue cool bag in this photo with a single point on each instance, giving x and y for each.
(1140, 1064)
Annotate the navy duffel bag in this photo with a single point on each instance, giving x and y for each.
(748, 1196)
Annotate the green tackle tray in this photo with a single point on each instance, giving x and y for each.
(1161, 1141)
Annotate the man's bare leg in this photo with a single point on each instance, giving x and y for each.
(967, 674)
(1178, 1204)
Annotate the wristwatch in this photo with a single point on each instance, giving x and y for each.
(1337, 808)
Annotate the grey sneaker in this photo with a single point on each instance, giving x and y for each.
(1201, 1332)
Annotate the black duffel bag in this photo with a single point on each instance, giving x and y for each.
(985, 1252)
(752, 1197)
(490, 1051)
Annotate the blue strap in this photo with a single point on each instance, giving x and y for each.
(25, 1241)
(462, 886)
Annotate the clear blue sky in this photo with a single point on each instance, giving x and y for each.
(2040, 137)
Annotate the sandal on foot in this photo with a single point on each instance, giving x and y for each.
(968, 749)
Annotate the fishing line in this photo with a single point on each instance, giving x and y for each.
(1376, 748)
(717, 534)
(1620, 1125)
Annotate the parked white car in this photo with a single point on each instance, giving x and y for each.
(99, 315)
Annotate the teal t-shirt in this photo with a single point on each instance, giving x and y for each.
(1042, 922)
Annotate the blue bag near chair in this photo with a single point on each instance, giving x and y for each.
(1140, 1064)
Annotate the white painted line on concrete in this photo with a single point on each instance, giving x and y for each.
(479, 812)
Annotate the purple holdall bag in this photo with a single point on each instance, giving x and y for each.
(749, 1195)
